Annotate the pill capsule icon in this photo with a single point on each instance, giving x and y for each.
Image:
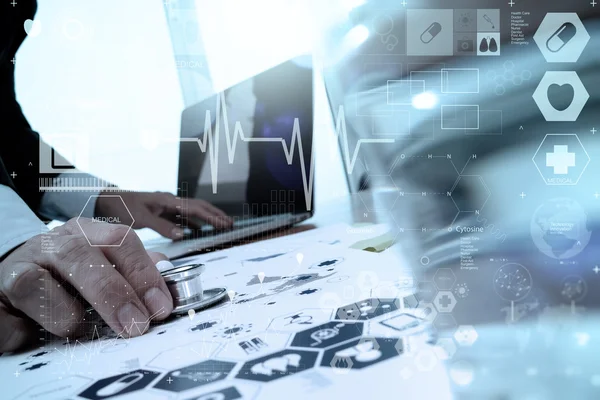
(119, 385)
(561, 37)
(431, 32)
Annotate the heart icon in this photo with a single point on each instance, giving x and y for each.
(561, 96)
(32, 28)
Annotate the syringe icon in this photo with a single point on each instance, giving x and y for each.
(488, 19)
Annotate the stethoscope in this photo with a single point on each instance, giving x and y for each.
(185, 284)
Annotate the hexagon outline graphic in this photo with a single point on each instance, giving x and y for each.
(205, 372)
(444, 270)
(377, 193)
(445, 348)
(301, 317)
(75, 388)
(426, 311)
(466, 335)
(328, 334)
(124, 383)
(176, 355)
(547, 36)
(440, 306)
(561, 78)
(361, 352)
(540, 171)
(280, 364)
(83, 231)
(448, 324)
(485, 187)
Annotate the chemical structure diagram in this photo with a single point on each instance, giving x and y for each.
(507, 76)
(463, 182)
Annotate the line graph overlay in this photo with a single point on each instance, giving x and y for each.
(210, 142)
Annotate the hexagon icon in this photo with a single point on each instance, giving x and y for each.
(327, 335)
(118, 385)
(367, 309)
(466, 335)
(381, 193)
(195, 375)
(223, 390)
(426, 311)
(445, 301)
(561, 37)
(278, 365)
(118, 200)
(299, 320)
(410, 301)
(56, 389)
(445, 325)
(357, 311)
(445, 348)
(444, 278)
(361, 353)
(183, 355)
(561, 96)
(426, 291)
(426, 360)
(561, 159)
(404, 323)
(470, 184)
(253, 346)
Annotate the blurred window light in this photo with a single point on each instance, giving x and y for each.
(424, 101)
(355, 37)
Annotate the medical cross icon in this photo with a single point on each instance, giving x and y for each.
(445, 301)
(560, 160)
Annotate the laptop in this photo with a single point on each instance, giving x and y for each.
(242, 151)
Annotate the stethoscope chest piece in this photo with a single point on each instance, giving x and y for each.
(185, 284)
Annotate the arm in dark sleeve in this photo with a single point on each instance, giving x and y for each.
(19, 144)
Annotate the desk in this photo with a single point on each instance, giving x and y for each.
(337, 322)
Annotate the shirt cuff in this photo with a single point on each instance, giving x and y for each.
(19, 223)
(65, 205)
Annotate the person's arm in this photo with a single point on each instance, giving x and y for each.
(19, 223)
(62, 206)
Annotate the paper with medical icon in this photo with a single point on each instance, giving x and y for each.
(305, 310)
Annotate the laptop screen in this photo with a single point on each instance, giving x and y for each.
(248, 149)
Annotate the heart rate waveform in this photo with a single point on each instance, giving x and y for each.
(85, 350)
(210, 142)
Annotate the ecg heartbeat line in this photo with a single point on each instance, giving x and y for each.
(210, 142)
(95, 345)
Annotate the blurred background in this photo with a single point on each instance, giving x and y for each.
(118, 74)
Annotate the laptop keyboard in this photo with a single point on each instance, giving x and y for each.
(208, 230)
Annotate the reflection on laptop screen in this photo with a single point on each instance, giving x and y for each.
(241, 151)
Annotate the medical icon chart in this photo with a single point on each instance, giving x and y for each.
(429, 32)
(195, 375)
(512, 282)
(327, 335)
(253, 346)
(561, 37)
(228, 393)
(477, 32)
(561, 96)
(368, 309)
(278, 365)
(361, 353)
(561, 159)
(402, 322)
(119, 385)
(300, 320)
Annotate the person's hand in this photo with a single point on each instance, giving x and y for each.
(47, 279)
(149, 211)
